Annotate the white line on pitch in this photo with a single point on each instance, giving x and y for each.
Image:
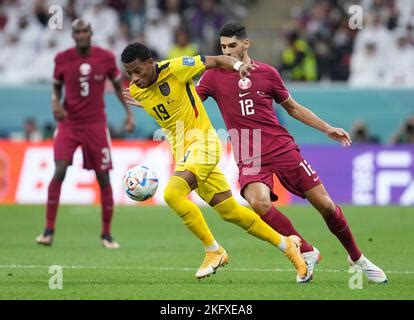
(17, 266)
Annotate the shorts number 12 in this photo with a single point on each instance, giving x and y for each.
(307, 168)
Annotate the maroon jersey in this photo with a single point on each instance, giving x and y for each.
(84, 80)
(248, 106)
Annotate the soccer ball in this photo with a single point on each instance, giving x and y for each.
(140, 183)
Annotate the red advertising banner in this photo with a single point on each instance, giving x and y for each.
(26, 169)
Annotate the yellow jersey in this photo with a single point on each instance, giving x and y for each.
(173, 102)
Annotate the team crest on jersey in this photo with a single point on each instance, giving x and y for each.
(165, 89)
(245, 83)
(188, 61)
(85, 69)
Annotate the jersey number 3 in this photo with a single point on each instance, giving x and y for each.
(84, 88)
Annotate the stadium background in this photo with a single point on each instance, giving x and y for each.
(361, 80)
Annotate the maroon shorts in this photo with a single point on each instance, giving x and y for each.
(292, 170)
(94, 140)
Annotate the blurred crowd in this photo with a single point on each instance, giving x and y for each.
(359, 132)
(169, 27)
(322, 46)
(33, 132)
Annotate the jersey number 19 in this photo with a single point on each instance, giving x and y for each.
(161, 112)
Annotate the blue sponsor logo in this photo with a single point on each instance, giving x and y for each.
(188, 61)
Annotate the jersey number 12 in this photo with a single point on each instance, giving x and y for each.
(246, 107)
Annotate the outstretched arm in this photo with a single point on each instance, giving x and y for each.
(129, 124)
(230, 63)
(306, 116)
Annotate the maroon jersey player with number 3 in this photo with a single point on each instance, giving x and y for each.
(81, 121)
(247, 108)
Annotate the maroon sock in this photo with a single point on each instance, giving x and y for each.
(53, 195)
(107, 204)
(279, 222)
(339, 227)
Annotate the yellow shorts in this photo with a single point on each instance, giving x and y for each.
(203, 161)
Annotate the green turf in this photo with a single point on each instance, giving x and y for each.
(158, 257)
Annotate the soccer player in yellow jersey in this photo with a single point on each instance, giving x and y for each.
(166, 91)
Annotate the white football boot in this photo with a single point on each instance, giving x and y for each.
(373, 272)
(311, 258)
(108, 242)
(46, 238)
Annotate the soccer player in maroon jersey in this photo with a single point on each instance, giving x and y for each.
(81, 121)
(247, 107)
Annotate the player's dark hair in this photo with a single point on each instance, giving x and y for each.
(135, 51)
(233, 29)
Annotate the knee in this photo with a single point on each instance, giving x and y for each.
(327, 208)
(60, 173)
(229, 211)
(239, 215)
(176, 192)
(103, 179)
(260, 204)
(232, 217)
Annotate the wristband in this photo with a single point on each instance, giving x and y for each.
(237, 65)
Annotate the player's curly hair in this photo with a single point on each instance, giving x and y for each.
(233, 29)
(135, 51)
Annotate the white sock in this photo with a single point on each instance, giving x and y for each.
(282, 245)
(214, 247)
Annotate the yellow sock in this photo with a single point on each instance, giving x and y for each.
(175, 195)
(233, 212)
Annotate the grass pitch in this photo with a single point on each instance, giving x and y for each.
(158, 256)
